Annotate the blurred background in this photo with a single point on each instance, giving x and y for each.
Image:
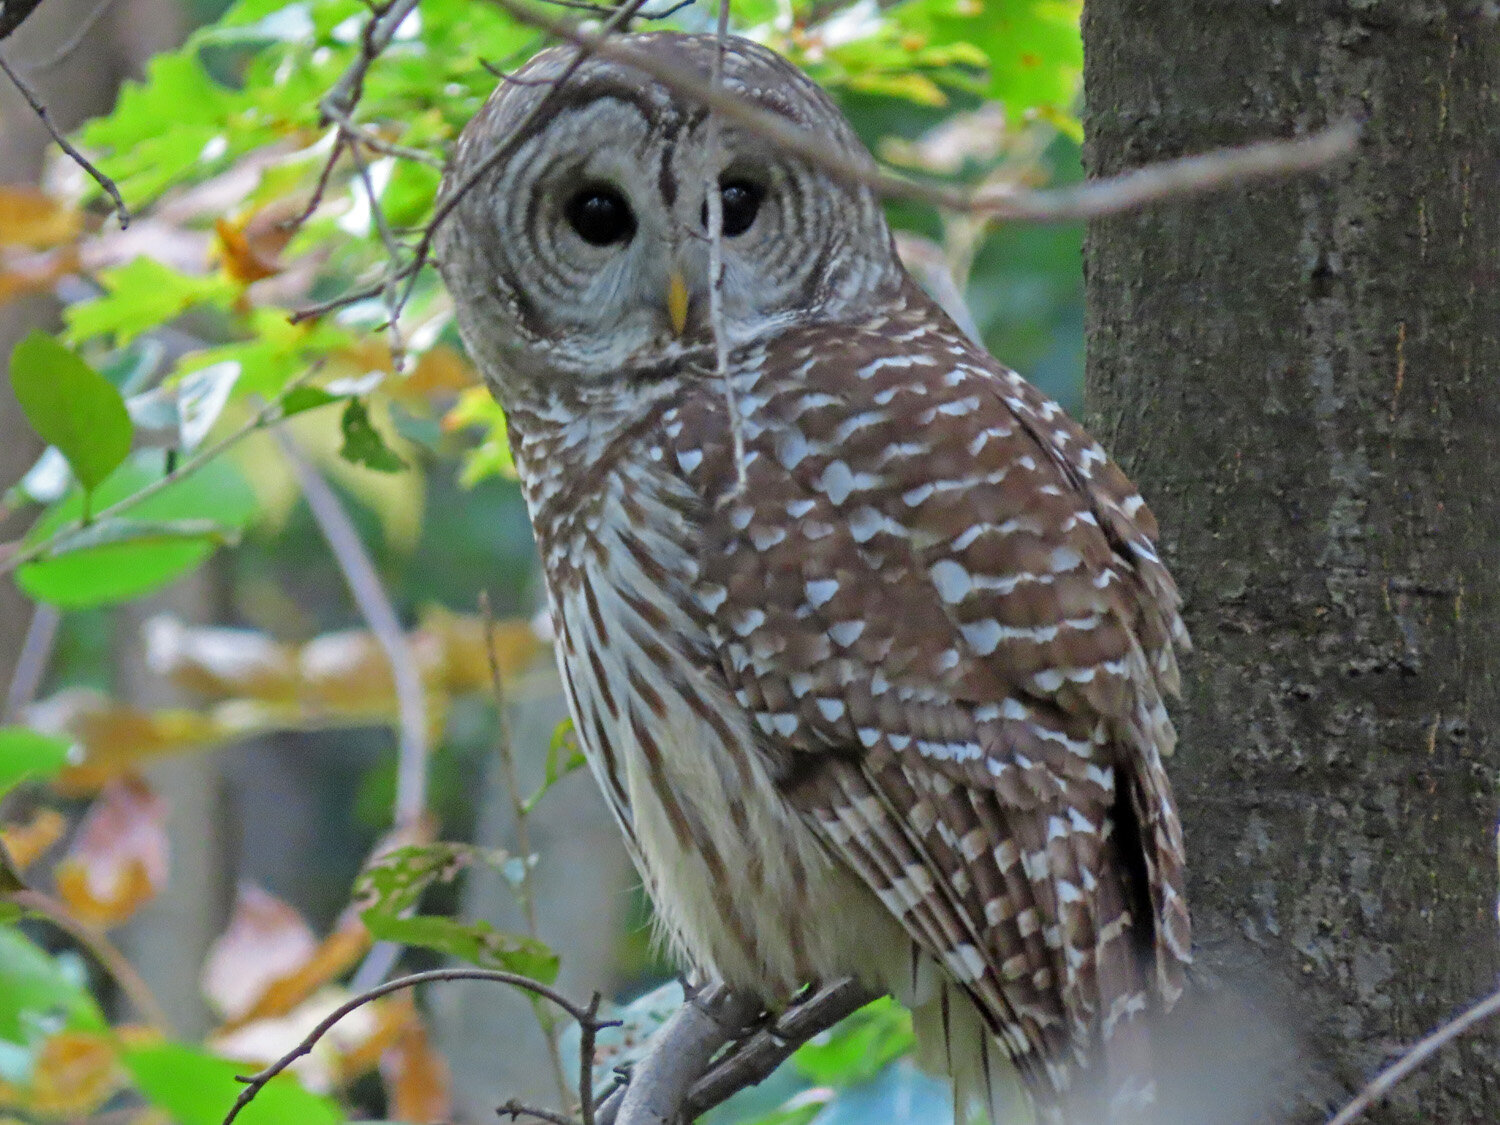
(255, 711)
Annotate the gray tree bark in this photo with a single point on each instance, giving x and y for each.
(1303, 379)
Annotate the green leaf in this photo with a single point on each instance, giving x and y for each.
(564, 755)
(28, 755)
(476, 942)
(140, 558)
(305, 398)
(393, 885)
(143, 295)
(41, 993)
(858, 1048)
(72, 406)
(363, 444)
(197, 1088)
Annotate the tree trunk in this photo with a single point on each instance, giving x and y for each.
(1303, 379)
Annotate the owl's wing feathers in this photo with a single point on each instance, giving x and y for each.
(936, 582)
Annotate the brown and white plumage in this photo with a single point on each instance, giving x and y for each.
(883, 696)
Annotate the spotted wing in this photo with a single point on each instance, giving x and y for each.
(942, 604)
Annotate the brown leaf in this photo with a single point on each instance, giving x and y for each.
(31, 217)
(441, 371)
(35, 273)
(118, 860)
(76, 1073)
(334, 956)
(417, 1082)
(26, 842)
(267, 939)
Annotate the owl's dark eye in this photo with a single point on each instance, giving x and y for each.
(600, 215)
(740, 200)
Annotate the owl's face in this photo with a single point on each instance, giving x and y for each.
(583, 253)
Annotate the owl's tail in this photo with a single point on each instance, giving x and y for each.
(954, 1039)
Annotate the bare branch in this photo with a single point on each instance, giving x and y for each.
(525, 885)
(254, 1083)
(715, 201)
(378, 33)
(758, 1056)
(679, 1078)
(115, 963)
(106, 184)
(1189, 176)
(31, 665)
(679, 1055)
(1387, 1079)
(515, 1110)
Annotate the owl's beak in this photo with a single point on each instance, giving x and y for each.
(677, 302)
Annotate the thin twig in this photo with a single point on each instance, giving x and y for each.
(265, 416)
(525, 884)
(105, 952)
(1420, 1052)
(104, 182)
(374, 605)
(376, 143)
(588, 1030)
(378, 33)
(31, 665)
(392, 249)
(60, 56)
(1192, 175)
(515, 1110)
(715, 200)
(254, 1083)
(445, 207)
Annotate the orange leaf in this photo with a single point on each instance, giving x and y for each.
(76, 1072)
(440, 371)
(460, 654)
(266, 940)
(30, 217)
(118, 860)
(251, 247)
(417, 1082)
(220, 663)
(26, 842)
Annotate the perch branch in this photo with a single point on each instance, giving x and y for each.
(1424, 1049)
(679, 1079)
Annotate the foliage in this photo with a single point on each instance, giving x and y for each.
(155, 402)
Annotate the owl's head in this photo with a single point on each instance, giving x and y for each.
(582, 250)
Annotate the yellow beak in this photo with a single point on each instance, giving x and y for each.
(677, 303)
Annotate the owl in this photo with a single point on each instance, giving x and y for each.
(866, 642)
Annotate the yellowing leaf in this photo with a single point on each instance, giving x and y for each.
(31, 217)
(220, 663)
(115, 738)
(118, 861)
(26, 842)
(76, 1073)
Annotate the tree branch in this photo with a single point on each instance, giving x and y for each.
(1387, 1080)
(679, 1079)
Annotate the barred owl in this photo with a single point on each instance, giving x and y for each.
(866, 642)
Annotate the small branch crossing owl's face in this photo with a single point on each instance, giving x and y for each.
(582, 251)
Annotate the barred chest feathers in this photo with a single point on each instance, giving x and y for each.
(743, 888)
